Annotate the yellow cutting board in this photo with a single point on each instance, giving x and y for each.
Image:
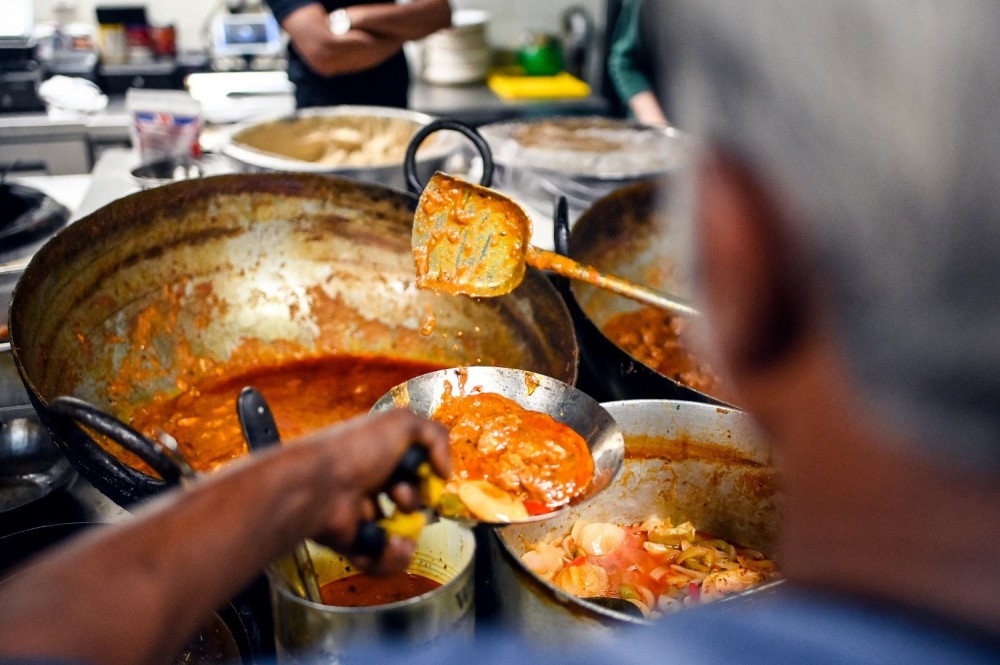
(510, 84)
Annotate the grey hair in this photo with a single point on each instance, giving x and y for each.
(880, 122)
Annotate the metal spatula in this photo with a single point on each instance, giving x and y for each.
(472, 240)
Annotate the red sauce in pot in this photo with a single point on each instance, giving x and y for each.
(365, 590)
(655, 338)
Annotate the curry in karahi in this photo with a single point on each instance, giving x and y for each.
(304, 395)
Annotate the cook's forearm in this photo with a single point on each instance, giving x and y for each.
(133, 593)
(148, 586)
(413, 20)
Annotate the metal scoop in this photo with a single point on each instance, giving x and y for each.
(472, 240)
(535, 392)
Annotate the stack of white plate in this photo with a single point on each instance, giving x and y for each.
(460, 54)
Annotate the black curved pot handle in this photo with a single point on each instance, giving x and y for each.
(560, 231)
(256, 420)
(410, 160)
(85, 413)
(560, 226)
(261, 432)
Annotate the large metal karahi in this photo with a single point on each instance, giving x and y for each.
(304, 265)
(624, 233)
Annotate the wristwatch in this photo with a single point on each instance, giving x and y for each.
(340, 22)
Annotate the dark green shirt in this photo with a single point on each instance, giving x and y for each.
(628, 60)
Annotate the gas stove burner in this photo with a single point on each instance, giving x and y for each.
(27, 218)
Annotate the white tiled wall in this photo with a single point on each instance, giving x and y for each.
(510, 18)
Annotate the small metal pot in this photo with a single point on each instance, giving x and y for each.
(180, 167)
(431, 158)
(683, 460)
(310, 632)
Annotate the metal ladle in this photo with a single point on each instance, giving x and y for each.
(534, 392)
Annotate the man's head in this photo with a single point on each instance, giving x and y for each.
(851, 198)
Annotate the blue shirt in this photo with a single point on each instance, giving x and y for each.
(791, 626)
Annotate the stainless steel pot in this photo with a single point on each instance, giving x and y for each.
(160, 287)
(683, 460)
(309, 632)
(431, 157)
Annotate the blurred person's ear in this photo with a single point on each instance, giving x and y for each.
(752, 285)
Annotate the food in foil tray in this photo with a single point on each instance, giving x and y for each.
(594, 147)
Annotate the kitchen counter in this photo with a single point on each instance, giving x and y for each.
(61, 145)
(39, 143)
(478, 105)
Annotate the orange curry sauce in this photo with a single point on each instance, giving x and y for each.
(304, 395)
(526, 453)
(655, 338)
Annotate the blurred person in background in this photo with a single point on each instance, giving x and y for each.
(843, 217)
(352, 52)
(630, 66)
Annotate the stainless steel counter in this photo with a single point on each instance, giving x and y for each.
(44, 145)
(36, 143)
(477, 104)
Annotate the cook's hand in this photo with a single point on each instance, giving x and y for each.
(368, 449)
(186, 552)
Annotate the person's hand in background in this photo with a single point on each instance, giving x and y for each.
(370, 35)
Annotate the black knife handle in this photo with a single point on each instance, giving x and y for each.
(256, 420)
(407, 468)
(370, 539)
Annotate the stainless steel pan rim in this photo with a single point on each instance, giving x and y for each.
(582, 179)
(439, 150)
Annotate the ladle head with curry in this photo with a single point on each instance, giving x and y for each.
(523, 446)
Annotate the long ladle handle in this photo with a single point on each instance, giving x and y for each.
(567, 267)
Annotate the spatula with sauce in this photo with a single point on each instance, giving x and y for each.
(471, 240)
